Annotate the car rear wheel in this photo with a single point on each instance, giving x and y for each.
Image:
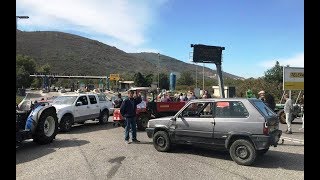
(47, 127)
(282, 117)
(161, 141)
(104, 116)
(142, 122)
(242, 152)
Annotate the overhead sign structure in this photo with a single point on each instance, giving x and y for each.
(293, 78)
(115, 77)
(207, 54)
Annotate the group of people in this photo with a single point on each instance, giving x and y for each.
(268, 99)
(129, 105)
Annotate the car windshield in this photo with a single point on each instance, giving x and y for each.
(64, 100)
(264, 108)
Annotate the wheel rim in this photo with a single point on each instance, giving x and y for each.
(144, 121)
(49, 126)
(68, 124)
(105, 118)
(242, 152)
(283, 117)
(161, 141)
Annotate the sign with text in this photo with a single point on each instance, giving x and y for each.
(207, 54)
(115, 77)
(293, 78)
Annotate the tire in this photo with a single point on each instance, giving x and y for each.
(243, 152)
(104, 117)
(142, 122)
(47, 127)
(262, 151)
(282, 117)
(161, 141)
(66, 123)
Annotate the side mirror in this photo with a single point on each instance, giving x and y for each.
(78, 103)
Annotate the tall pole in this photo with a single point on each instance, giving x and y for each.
(203, 78)
(158, 70)
(196, 75)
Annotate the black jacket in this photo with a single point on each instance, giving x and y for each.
(129, 106)
(269, 101)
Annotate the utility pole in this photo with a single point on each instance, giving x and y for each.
(158, 70)
(203, 78)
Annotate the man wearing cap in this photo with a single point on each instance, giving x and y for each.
(268, 99)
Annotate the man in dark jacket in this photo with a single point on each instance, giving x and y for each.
(268, 99)
(128, 110)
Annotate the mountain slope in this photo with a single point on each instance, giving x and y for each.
(71, 54)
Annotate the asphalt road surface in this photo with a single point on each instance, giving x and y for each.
(93, 151)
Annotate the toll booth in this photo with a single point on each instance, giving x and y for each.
(229, 91)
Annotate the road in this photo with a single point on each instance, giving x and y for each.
(93, 151)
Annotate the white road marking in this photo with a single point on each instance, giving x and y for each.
(293, 140)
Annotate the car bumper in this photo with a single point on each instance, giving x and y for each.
(150, 132)
(264, 142)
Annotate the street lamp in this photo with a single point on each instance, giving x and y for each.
(20, 17)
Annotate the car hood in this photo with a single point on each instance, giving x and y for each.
(60, 106)
(164, 121)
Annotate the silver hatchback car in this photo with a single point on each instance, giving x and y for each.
(245, 127)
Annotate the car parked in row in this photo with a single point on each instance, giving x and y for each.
(80, 107)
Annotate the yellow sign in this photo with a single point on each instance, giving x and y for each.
(294, 85)
(296, 75)
(293, 78)
(115, 77)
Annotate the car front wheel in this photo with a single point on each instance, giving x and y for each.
(161, 141)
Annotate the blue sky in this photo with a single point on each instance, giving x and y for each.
(254, 33)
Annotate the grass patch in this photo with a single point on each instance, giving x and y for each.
(19, 99)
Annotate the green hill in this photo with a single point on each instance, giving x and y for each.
(72, 54)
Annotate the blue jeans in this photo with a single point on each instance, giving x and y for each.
(130, 123)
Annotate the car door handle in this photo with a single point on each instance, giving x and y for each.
(97, 106)
(214, 123)
(88, 107)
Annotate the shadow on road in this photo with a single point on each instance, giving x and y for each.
(272, 159)
(89, 126)
(29, 150)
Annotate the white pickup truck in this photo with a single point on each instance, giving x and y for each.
(77, 108)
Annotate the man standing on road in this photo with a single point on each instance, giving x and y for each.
(288, 108)
(128, 110)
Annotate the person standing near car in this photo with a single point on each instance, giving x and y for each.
(128, 111)
(288, 108)
(118, 102)
(268, 99)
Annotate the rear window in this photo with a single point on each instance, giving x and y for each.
(266, 111)
(92, 99)
(102, 97)
(230, 109)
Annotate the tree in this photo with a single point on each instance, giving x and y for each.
(24, 67)
(163, 81)
(274, 75)
(139, 79)
(185, 79)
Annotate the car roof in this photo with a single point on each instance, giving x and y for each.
(222, 99)
(139, 88)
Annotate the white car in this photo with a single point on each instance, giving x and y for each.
(79, 107)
